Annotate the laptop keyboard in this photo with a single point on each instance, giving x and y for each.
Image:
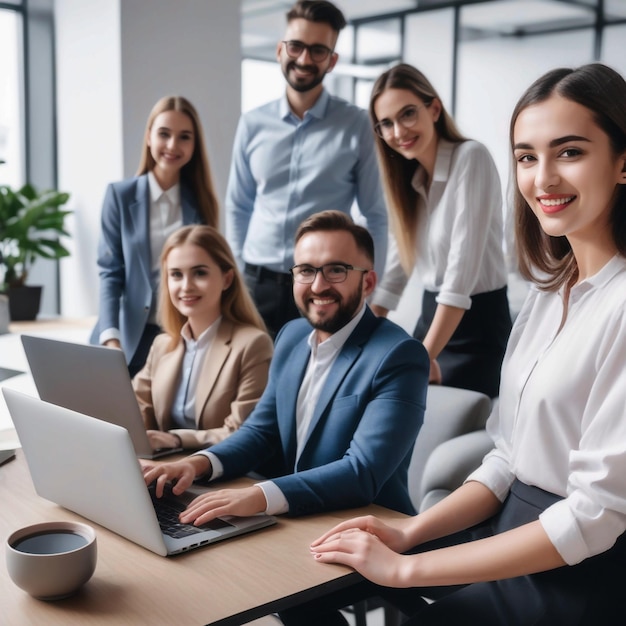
(168, 508)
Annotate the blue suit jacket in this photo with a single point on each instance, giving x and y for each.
(124, 259)
(364, 426)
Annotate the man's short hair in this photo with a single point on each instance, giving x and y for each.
(318, 11)
(336, 220)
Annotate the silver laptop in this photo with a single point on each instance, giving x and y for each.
(93, 380)
(89, 466)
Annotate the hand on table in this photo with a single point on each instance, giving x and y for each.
(364, 552)
(391, 536)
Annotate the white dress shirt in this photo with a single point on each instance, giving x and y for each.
(196, 350)
(561, 420)
(460, 238)
(166, 217)
(323, 355)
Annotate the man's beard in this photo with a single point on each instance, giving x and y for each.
(315, 78)
(346, 310)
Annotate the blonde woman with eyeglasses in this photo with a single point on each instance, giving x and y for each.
(445, 203)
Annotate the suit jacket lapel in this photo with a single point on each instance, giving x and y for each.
(213, 364)
(140, 220)
(287, 397)
(188, 206)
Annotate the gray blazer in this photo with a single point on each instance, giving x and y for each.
(124, 259)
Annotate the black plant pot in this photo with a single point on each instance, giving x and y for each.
(24, 302)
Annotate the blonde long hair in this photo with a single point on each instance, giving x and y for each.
(396, 170)
(196, 174)
(236, 306)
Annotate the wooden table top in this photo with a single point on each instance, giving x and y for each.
(227, 583)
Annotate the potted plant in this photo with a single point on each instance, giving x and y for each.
(30, 224)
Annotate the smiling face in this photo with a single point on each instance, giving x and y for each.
(567, 171)
(418, 141)
(195, 284)
(171, 141)
(330, 306)
(303, 74)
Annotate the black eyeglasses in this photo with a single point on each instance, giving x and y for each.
(317, 51)
(332, 272)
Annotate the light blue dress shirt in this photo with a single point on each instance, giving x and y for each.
(285, 169)
(196, 351)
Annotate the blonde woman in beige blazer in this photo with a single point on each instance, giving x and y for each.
(205, 310)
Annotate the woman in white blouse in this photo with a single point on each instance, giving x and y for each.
(172, 188)
(546, 510)
(206, 373)
(445, 202)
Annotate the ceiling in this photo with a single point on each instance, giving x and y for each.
(263, 21)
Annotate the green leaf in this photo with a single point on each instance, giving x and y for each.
(30, 221)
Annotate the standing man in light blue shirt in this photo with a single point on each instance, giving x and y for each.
(293, 157)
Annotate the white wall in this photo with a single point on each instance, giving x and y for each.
(613, 48)
(89, 127)
(186, 47)
(114, 60)
(429, 47)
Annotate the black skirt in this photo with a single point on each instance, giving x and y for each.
(472, 359)
(586, 594)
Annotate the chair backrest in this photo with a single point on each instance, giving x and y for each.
(450, 412)
(450, 463)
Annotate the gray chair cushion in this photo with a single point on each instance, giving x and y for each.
(451, 463)
(450, 412)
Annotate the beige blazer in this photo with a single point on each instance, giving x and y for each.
(231, 382)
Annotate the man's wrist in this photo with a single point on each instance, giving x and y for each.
(202, 466)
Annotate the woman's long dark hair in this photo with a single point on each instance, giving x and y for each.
(544, 259)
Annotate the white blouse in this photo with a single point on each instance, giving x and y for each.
(561, 420)
(460, 244)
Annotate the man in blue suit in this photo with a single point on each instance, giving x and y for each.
(345, 400)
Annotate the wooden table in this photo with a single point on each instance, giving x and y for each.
(227, 583)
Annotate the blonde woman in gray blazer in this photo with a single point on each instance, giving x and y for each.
(172, 188)
(205, 374)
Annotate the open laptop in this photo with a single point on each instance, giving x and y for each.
(89, 466)
(93, 380)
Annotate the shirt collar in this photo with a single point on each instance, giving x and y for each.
(172, 194)
(205, 337)
(616, 265)
(336, 340)
(443, 161)
(318, 110)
